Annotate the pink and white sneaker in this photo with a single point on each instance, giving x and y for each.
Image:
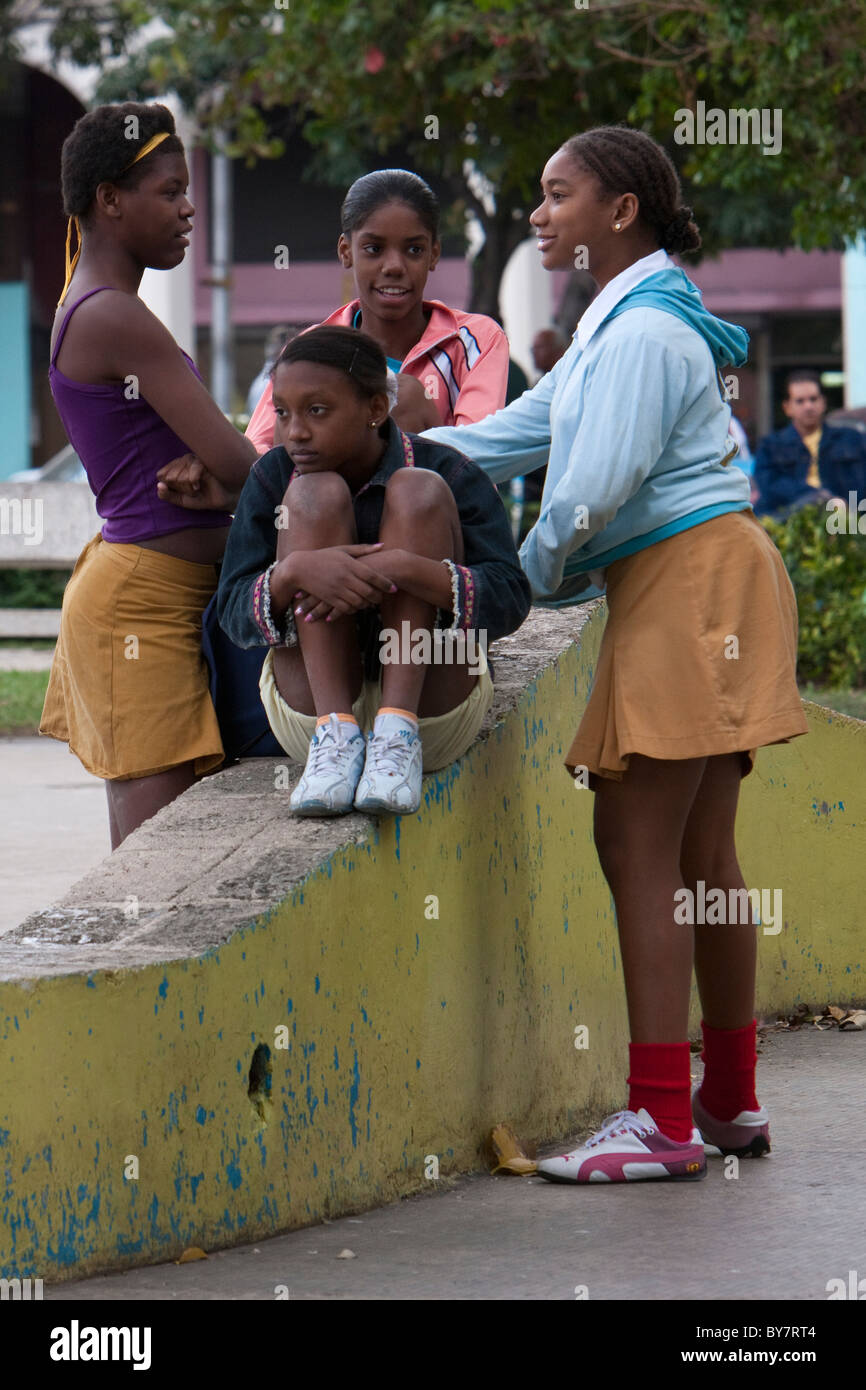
(629, 1147)
(748, 1134)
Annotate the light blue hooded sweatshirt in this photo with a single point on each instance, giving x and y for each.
(634, 432)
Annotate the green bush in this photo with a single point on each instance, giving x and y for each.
(828, 573)
(32, 588)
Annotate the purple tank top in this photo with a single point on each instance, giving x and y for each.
(122, 444)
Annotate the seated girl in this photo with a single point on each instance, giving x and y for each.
(376, 566)
(389, 239)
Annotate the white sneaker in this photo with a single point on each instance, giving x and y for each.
(391, 780)
(334, 764)
(628, 1148)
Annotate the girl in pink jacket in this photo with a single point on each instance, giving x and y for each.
(390, 239)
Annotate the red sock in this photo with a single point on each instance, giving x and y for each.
(729, 1059)
(660, 1082)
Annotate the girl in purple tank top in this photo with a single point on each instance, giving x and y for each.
(129, 687)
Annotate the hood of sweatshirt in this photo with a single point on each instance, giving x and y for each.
(674, 293)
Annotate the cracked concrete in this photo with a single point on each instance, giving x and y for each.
(226, 852)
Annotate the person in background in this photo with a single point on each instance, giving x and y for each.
(274, 344)
(808, 461)
(548, 346)
(745, 459)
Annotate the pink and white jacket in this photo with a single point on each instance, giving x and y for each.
(460, 359)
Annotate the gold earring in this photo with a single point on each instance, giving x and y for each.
(374, 424)
(617, 226)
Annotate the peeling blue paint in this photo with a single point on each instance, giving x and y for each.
(353, 1100)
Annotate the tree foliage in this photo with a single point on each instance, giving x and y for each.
(480, 92)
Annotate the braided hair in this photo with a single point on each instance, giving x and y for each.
(624, 160)
(102, 145)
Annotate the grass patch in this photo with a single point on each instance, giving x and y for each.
(22, 695)
(851, 702)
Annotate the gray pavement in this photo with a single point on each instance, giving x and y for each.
(780, 1230)
(53, 825)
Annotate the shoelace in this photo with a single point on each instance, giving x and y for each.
(323, 749)
(387, 753)
(623, 1122)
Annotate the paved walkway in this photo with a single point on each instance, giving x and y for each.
(780, 1230)
(53, 825)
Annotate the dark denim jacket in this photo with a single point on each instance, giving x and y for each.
(782, 462)
(492, 592)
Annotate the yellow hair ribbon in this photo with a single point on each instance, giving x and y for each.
(146, 149)
(72, 261)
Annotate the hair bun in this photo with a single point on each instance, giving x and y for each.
(681, 234)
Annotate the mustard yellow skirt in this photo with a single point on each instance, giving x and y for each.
(699, 654)
(128, 689)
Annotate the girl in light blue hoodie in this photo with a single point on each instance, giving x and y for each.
(698, 659)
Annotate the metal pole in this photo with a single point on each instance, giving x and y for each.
(222, 354)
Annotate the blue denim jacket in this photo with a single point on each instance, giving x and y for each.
(782, 462)
(491, 592)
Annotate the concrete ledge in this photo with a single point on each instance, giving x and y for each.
(240, 1024)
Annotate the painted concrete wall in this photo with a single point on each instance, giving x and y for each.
(416, 988)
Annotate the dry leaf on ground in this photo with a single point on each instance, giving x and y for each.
(509, 1152)
(192, 1252)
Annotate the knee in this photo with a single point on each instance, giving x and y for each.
(715, 864)
(418, 491)
(313, 494)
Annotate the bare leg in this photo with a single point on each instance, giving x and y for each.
(639, 827)
(421, 516)
(135, 800)
(323, 674)
(113, 827)
(725, 956)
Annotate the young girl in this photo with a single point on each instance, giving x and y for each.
(128, 689)
(347, 527)
(697, 663)
(390, 239)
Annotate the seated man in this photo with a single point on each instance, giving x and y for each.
(808, 461)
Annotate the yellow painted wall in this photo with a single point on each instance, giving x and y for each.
(408, 1034)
